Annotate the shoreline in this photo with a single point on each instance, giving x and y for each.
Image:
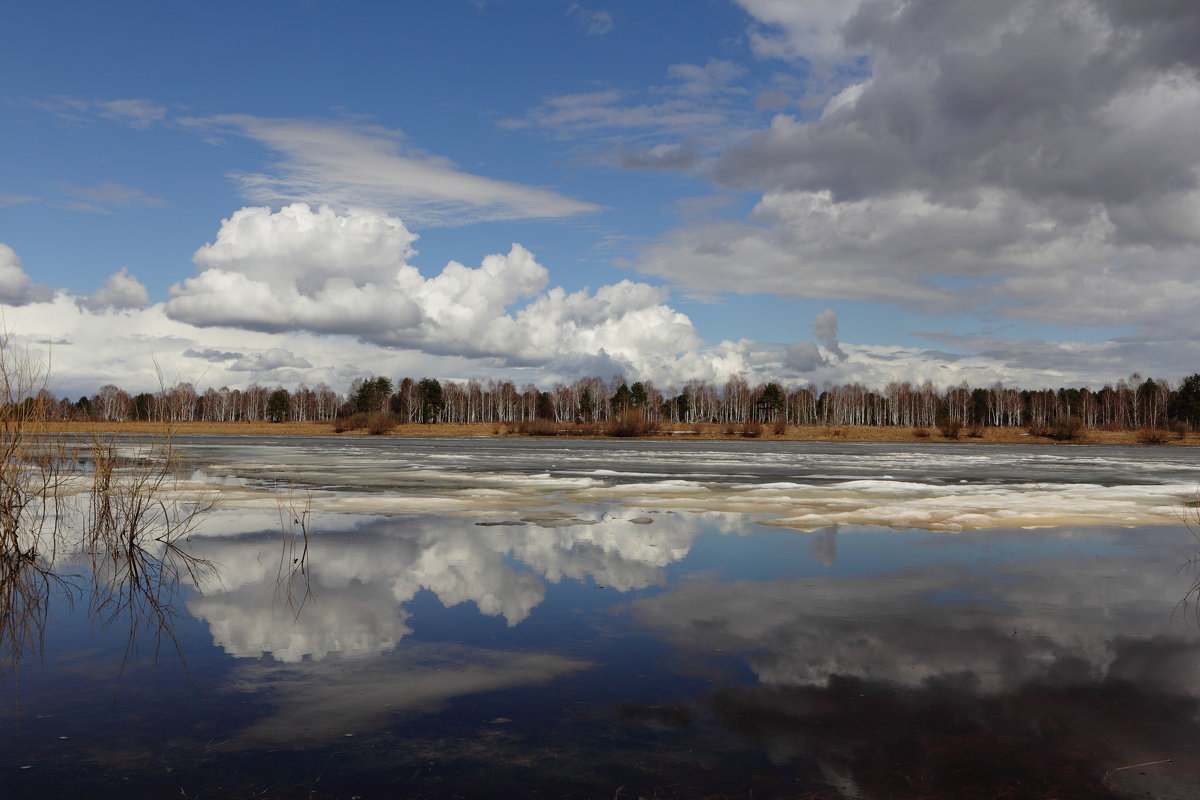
(683, 432)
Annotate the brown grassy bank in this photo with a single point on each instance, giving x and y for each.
(797, 433)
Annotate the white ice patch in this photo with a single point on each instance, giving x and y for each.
(959, 507)
(895, 504)
(939, 490)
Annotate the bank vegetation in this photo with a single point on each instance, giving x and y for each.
(1156, 411)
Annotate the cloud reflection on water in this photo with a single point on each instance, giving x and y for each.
(361, 579)
(314, 703)
(1003, 628)
(1035, 676)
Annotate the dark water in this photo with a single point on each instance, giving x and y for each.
(600, 649)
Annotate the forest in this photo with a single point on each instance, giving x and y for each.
(1128, 404)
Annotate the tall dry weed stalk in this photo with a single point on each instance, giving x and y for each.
(29, 488)
(133, 536)
(61, 499)
(293, 573)
(1189, 515)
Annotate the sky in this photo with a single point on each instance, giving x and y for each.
(808, 191)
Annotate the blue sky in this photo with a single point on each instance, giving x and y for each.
(271, 192)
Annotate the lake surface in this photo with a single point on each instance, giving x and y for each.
(607, 619)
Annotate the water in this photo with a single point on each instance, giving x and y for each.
(524, 618)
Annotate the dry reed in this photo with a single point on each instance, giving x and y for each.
(64, 498)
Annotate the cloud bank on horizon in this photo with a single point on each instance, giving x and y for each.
(843, 191)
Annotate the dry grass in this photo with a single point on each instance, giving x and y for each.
(949, 427)
(750, 430)
(546, 427)
(1153, 436)
(794, 433)
(185, 428)
(631, 425)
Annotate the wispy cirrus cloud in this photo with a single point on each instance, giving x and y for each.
(102, 198)
(344, 164)
(675, 125)
(349, 165)
(597, 22)
(134, 112)
(715, 77)
(569, 115)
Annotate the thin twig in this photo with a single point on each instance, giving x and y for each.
(1111, 772)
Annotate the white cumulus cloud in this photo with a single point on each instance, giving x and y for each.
(120, 290)
(303, 270)
(16, 287)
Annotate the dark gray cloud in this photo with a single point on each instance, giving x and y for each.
(1025, 96)
(825, 330)
(1031, 160)
(806, 356)
(212, 354)
(273, 359)
(803, 357)
(1164, 33)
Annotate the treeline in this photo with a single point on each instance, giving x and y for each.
(182, 403)
(1130, 404)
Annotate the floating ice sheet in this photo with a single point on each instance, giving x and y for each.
(797, 485)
